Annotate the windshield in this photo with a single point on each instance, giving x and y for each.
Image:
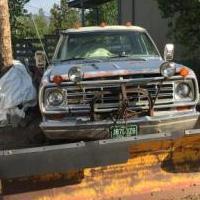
(105, 45)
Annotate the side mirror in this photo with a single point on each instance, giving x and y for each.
(40, 59)
(169, 52)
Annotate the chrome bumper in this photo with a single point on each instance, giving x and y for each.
(74, 130)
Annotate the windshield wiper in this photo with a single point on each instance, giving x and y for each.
(120, 56)
(80, 58)
(127, 56)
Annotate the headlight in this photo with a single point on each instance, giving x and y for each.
(55, 98)
(75, 74)
(168, 69)
(183, 90)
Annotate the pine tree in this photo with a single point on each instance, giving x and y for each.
(63, 17)
(16, 10)
(183, 17)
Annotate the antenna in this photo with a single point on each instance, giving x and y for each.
(39, 37)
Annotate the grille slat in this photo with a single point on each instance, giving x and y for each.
(108, 98)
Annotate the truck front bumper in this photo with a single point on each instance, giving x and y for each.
(176, 123)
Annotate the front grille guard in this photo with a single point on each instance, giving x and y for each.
(124, 110)
(135, 82)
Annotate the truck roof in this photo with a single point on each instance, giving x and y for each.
(104, 28)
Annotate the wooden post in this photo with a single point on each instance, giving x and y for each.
(6, 59)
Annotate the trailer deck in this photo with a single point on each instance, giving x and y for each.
(152, 167)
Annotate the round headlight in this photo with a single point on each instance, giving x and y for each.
(75, 74)
(55, 98)
(168, 69)
(183, 90)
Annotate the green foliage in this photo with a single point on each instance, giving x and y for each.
(29, 30)
(16, 10)
(42, 22)
(184, 18)
(63, 17)
(108, 13)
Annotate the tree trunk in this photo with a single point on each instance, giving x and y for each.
(6, 59)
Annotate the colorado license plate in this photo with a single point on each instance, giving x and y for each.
(121, 131)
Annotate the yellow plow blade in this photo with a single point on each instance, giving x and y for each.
(156, 170)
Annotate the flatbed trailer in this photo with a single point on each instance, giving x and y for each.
(159, 166)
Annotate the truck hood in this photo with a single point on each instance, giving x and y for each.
(105, 69)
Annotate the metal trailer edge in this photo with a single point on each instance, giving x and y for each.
(76, 156)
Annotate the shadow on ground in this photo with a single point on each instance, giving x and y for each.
(31, 184)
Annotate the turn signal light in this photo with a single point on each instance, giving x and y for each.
(183, 108)
(128, 24)
(55, 116)
(57, 79)
(103, 24)
(77, 25)
(184, 72)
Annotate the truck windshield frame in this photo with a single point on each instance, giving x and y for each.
(105, 45)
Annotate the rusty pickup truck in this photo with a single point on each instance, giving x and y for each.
(111, 82)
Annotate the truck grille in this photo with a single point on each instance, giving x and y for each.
(108, 98)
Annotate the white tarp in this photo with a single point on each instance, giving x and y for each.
(16, 88)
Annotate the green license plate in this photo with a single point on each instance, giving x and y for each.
(121, 131)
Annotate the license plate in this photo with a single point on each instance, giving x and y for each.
(121, 131)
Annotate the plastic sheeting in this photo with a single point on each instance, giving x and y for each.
(17, 93)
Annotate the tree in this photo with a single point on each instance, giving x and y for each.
(28, 29)
(5, 37)
(16, 10)
(108, 13)
(42, 22)
(184, 18)
(63, 17)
